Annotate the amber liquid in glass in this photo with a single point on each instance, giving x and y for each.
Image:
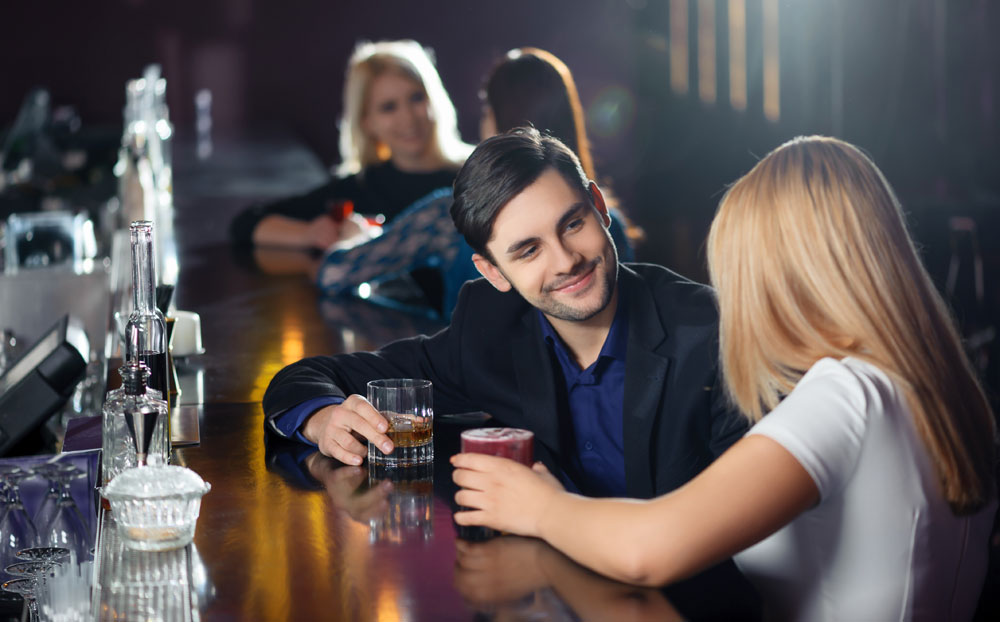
(411, 436)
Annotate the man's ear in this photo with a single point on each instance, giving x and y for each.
(602, 207)
(491, 273)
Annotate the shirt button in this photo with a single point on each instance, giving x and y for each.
(588, 445)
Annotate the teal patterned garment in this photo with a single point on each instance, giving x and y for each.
(422, 236)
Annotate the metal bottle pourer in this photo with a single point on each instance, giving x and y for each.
(141, 422)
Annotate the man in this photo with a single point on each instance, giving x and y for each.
(612, 367)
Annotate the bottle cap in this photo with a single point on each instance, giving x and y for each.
(135, 376)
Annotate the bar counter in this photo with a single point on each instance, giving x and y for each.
(286, 534)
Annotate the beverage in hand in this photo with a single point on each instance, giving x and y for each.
(513, 443)
(408, 431)
(406, 403)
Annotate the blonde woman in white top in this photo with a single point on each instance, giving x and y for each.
(865, 489)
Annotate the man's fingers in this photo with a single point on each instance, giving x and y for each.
(346, 440)
(367, 412)
(356, 422)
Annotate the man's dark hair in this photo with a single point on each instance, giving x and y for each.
(500, 169)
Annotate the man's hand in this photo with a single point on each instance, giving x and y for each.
(339, 429)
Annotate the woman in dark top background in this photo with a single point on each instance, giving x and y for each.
(530, 86)
(399, 141)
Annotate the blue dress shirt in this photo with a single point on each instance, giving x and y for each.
(288, 424)
(595, 397)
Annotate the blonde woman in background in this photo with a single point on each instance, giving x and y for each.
(865, 489)
(399, 142)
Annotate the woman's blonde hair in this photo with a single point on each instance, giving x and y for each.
(811, 258)
(409, 58)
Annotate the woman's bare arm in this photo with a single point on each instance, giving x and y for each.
(750, 492)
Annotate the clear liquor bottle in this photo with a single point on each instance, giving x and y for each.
(146, 331)
(119, 452)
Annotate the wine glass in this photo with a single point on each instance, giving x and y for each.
(15, 525)
(65, 527)
(25, 586)
(48, 505)
(43, 553)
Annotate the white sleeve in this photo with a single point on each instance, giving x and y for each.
(822, 423)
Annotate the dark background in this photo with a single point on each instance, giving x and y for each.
(914, 82)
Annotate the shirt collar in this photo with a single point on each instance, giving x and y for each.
(615, 344)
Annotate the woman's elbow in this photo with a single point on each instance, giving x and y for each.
(644, 567)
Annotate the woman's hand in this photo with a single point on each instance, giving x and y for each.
(503, 494)
(323, 232)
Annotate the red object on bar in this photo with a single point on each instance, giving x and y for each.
(340, 210)
(513, 443)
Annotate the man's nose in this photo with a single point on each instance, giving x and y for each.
(566, 259)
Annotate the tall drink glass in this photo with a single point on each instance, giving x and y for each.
(513, 443)
(407, 406)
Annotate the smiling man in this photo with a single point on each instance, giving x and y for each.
(612, 366)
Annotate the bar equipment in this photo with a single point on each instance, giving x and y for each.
(146, 330)
(15, 524)
(46, 239)
(407, 406)
(41, 380)
(134, 429)
(156, 507)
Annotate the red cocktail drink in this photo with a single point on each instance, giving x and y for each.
(513, 443)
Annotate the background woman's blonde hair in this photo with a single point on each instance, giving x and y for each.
(370, 60)
(811, 258)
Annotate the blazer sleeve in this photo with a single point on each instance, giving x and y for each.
(728, 424)
(437, 358)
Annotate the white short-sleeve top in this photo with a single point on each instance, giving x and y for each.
(882, 543)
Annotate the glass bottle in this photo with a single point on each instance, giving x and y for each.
(136, 186)
(116, 440)
(146, 331)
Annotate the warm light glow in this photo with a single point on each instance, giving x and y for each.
(387, 605)
(738, 54)
(772, 61)
(706, 51)
(679, 45)
(293, 348)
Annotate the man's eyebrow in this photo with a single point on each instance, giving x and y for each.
(568, 215)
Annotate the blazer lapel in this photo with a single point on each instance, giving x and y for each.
(645, 381)
(535, 383)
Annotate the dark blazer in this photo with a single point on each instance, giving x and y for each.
(493, 358)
